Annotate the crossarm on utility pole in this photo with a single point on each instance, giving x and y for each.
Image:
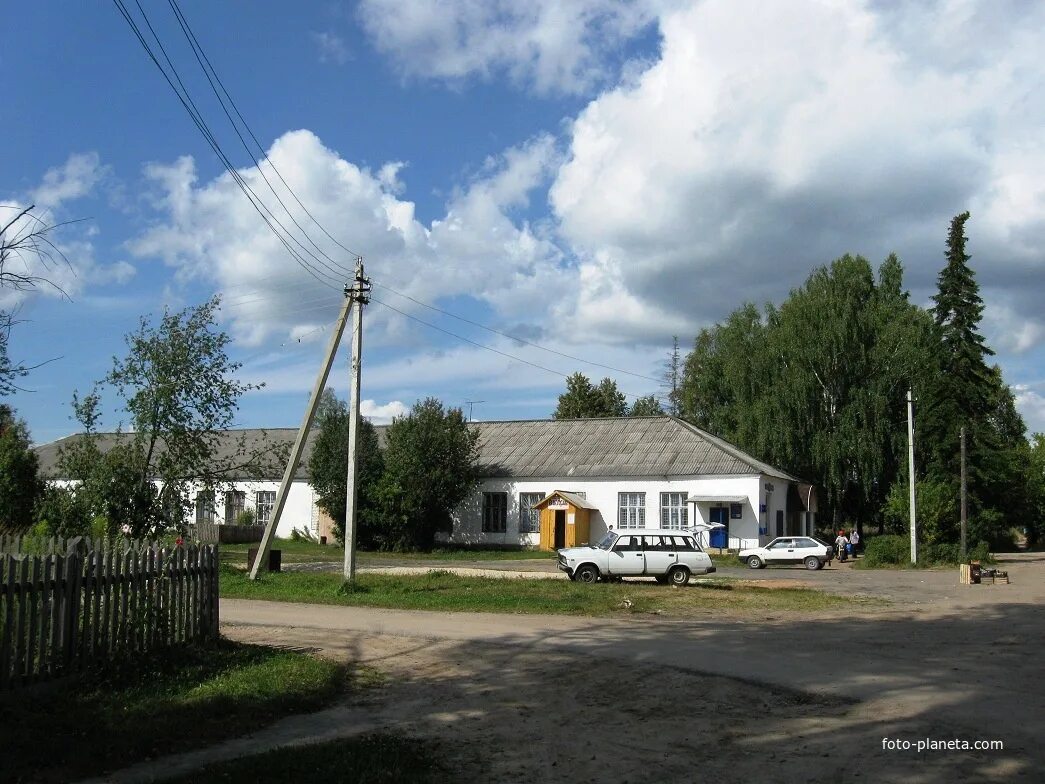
(299, 443)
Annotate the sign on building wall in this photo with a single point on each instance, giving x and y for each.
(736, 511)
(558, 503)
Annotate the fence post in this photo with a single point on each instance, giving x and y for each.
(7, 620)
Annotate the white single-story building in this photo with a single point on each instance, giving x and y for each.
(626, 472)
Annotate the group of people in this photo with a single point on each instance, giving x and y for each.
(847, 545)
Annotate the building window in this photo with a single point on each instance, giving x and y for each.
(495, 512)
(631, 510)
(235, 500)
(529, 518)
(204, 508)
(264, 500)
(673, 511)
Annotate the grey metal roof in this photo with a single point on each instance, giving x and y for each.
(612, 447)
(542, 448)
(266, 445)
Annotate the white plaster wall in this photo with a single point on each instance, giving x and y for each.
(299, 511)
(603, 494)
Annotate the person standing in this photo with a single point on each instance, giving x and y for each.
(854, 541)
(841, 542)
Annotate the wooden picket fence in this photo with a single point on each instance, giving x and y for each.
(60, 614)
(226, 534)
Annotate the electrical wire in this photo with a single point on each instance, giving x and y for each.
(190, 107)
(477, 344)
(260, 147)
(212, 77)
(513, 337)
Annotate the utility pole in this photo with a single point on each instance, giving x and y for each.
(910, 473)
(299, 442)
(359, 296)
(965, 497)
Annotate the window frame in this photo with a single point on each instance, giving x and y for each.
(205, 508)
(631, 515)
(490, 525)
(529, 518)
(266, 504)
(679, 510)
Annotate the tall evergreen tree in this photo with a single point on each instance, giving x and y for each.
(967, 392)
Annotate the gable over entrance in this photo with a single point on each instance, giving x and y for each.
(565, 520)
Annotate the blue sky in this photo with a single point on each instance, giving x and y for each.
(594, 177)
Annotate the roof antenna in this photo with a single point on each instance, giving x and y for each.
(470, 404)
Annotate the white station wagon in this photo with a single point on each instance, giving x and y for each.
(668, 555)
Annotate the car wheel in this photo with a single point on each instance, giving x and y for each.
(662, 579)
(813, 563)
(754, 562)
(587, 574)
(679, 575)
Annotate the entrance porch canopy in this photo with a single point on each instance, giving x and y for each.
(716, 499)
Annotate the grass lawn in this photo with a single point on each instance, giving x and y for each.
(444, 591)
(159, 704)
(367, 759)
(310, 552)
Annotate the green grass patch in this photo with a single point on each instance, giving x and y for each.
(299, 551)
(366, 759)
(162, 703)
(441, 590)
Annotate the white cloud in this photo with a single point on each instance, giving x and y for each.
(72, 180)
(382, 414)
(548, 45)
(62, 258)
(770, 138)
(1031, 404)
(331, 48)
(210, 231)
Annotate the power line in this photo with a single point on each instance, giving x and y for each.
(486, 347)
(209, 71)
(197, 118)
(235, 108)
(517, 339)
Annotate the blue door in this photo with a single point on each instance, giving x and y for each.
(719, 536)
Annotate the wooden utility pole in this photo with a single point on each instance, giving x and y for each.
(910, 473)
(965, 497)
(359, 295)
(261, 562)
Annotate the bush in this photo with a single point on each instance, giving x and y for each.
(887, 551)
(246, 517)
(896, 551)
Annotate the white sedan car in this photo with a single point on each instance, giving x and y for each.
(789, 550)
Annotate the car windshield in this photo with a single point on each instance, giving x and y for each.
(606, 542)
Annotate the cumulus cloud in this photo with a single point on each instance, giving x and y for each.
(770, 138)
(62, 259)
(73, 180)
(1031, 403)
(209, 231)
(547, 45)
(381, 414)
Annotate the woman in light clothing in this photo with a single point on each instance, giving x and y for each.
(854, 541)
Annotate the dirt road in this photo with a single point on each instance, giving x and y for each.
(542, 698)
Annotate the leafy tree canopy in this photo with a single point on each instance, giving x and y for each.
(20, 484)
(430, 467)
(646, 406)
(328, 469)
(583, 400)
(180, 393)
